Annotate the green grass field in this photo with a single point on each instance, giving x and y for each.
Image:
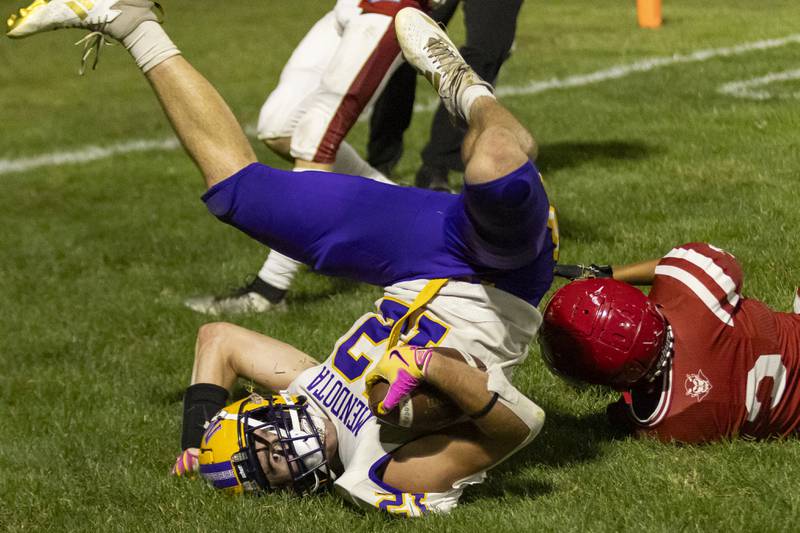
(96, 348)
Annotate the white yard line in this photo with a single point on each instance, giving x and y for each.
(86, 154)
(645, 65)
(752, 89)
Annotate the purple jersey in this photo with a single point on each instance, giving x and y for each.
(496, 233)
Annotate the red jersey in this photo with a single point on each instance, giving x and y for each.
(736, 362)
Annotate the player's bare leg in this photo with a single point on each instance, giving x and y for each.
(282, 146)
(496, 143)
(202, 120)
(302, 164)
(200, 117)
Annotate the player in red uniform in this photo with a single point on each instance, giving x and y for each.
(695, 360)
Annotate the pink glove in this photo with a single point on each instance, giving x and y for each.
(404, 367)
(187, 464)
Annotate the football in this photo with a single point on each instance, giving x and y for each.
(425, 409)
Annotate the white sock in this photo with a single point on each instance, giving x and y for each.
(472, 93)
(349, 162)
(278, 270)
(149, 45)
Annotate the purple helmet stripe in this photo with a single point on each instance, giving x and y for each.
(220, 475)
(215, 467)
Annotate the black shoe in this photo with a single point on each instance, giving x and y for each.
(433, 178)
(387, 169)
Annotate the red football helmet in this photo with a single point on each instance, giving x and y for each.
(603, 331)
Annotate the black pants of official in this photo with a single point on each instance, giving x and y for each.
(490, 25)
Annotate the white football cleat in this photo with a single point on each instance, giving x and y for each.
(429, 50)
(112, 18)
(247, 299)
(250, 302)
(115, 18)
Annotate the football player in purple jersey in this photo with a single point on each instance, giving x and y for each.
(463, 272)
(315, 430)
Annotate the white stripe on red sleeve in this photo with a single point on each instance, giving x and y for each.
(711, 268)
(700, 290)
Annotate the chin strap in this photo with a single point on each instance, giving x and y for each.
(664, 357)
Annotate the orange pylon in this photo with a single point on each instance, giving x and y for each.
(649, 13)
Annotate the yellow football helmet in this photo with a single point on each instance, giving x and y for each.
(228, 455)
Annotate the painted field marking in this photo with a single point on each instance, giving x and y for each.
(647, 65)
(86, 154)
(90, 153)
(752, 89)
(644, 65)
